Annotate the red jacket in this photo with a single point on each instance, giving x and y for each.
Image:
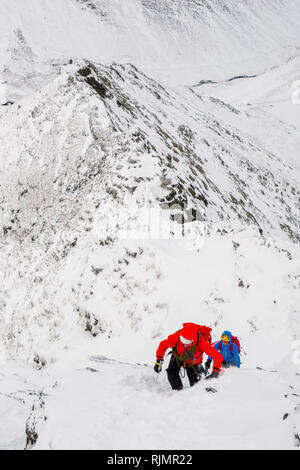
(202, 346)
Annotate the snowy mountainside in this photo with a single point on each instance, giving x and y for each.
(94, 142)
(21, 70)
(106, 397)
(272, 101)
(80, 159)
(180, 41)
(160, 409)
(115, 129)
(129, 205)
(209, 38)
(274, 85)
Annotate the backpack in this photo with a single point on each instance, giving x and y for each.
(205, 331)
(234, 340)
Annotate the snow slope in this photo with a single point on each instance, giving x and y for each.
(117, 142)
(272, 86)
(178, 41)
(130, 205)
(135, 401)
(97, 386)
(271, 99)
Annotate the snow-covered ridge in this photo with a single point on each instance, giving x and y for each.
(115, 129)
(96, 141)
(85, 146)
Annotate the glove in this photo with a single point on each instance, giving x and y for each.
(207, 364)
(201, 370)
(158, 365)
(213, 375)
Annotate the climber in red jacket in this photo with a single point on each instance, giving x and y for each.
(188, 346)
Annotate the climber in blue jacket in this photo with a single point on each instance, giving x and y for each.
(229, 347)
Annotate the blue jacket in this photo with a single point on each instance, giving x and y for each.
(234, 357)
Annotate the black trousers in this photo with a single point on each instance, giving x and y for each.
(173, 371)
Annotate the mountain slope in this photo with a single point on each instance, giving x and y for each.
(115, 129)
(271, 99)
(83, 160)
(146, 405)
(130, 204)
(180, 41)
(92, 402)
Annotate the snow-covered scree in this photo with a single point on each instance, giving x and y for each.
(129, 206)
